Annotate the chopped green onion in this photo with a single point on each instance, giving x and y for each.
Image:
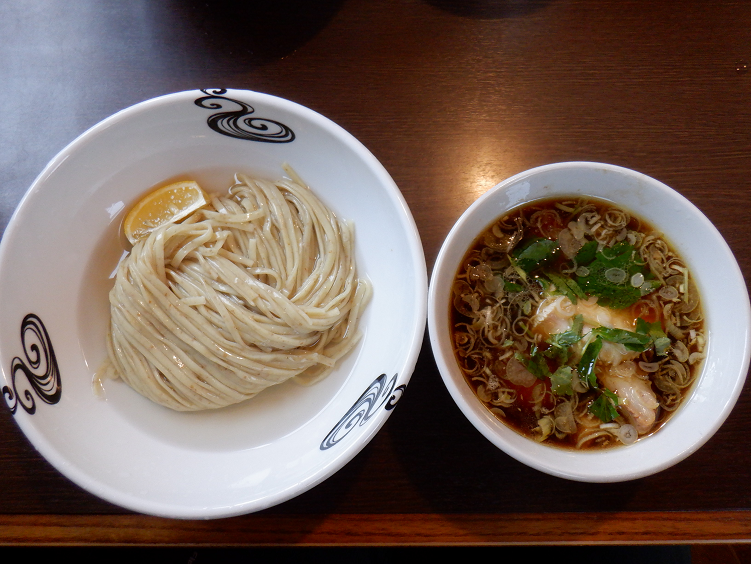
(637, 280)
(616, 275)
(527, 307)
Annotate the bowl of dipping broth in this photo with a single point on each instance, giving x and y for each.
(577, 319)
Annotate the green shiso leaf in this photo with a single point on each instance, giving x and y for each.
(536, 363)
(645, 327)
(588, 360)
(535, 253)
(604, 406)
(560, 342)
(637, 342)
(570, 337)
(575, 288)
(512, 286)
(611, 294)
(656, 334)
(560, 381)
(587, 253)
(566, 286)
(662, 344)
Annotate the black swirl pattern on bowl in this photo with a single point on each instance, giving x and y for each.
(365, 407)
(40, 368)
(238, 123)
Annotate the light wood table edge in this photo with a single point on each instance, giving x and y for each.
(688, 527)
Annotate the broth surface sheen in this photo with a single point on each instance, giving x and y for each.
(576, 323)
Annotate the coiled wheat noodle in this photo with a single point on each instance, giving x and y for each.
(255, 289)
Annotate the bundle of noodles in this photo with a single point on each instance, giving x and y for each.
(255, 289)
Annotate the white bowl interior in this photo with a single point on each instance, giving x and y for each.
(724, 298)
(63, 243)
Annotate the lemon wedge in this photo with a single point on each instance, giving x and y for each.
(168, 204)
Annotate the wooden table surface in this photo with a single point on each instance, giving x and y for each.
(452, 97)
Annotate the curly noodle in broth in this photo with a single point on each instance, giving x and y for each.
(254, 289)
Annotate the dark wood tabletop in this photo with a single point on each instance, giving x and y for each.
(452, 96)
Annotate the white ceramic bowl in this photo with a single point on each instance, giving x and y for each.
(725, 302)
(63, 242)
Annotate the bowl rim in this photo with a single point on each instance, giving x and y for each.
(417, 318)
(487, 423)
